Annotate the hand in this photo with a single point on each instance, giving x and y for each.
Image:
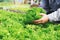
(44, 19)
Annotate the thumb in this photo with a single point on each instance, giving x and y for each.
(42, 14)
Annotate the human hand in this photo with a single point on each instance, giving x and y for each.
(44, 19)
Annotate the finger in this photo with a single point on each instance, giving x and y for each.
(42, 14)
(36, 21)
(39, 22)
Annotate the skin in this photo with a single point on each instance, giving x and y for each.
(44, 19)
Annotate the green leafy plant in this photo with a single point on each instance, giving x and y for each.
(15, 26)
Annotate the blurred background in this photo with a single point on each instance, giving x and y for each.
(18, 2)
(20, 5)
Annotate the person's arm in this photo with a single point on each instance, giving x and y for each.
(45, 4)
(55, 16)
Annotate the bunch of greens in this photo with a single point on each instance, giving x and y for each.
(13, 26)
(33, 14)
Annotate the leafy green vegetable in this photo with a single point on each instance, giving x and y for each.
(33, 14)
(15, 26)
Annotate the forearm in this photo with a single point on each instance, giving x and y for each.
(55, 16)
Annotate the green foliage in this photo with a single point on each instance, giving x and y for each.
(33, 14)
(15, 26)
